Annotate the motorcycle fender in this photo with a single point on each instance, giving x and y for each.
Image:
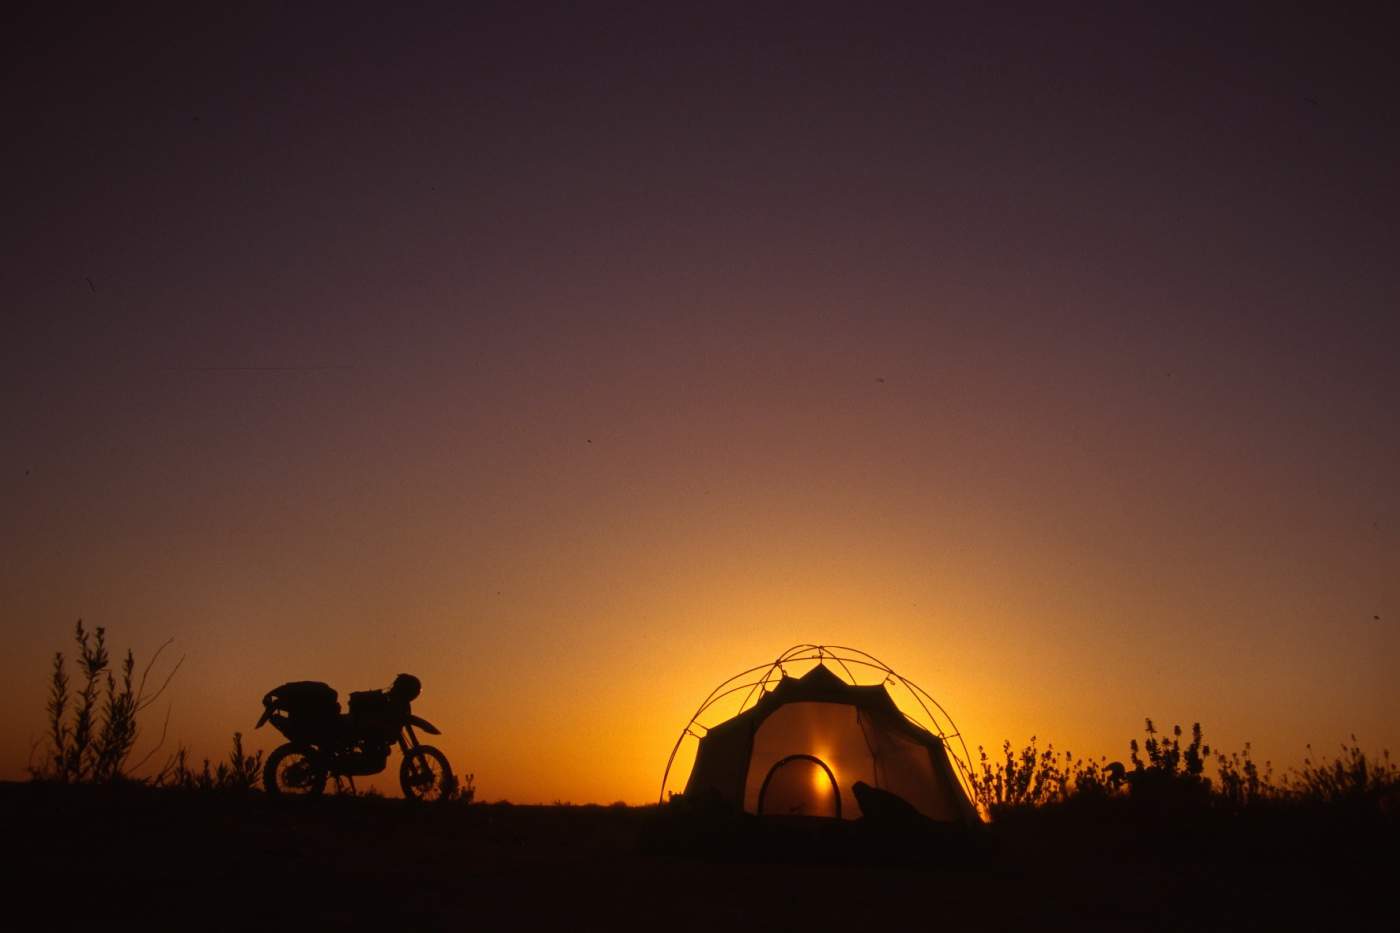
(424, 725)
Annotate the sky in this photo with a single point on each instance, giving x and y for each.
(574, 358)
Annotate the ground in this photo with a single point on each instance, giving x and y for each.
(100, 857)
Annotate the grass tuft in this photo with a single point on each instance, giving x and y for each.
(1170, 771)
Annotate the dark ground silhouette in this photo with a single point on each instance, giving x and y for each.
(91, 854)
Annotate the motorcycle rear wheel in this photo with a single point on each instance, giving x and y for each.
(426, 775)
(294, 770)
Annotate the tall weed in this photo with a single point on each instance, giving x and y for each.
(1170, 770)
(92, 733)
(239, 773)
(1351, 777)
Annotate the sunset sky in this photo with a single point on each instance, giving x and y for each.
(574, 361)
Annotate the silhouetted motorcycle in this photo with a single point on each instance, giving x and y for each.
(324, 743)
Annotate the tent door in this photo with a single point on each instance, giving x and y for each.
(800, 785)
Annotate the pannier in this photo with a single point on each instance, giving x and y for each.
(303, 710)
(375, 716)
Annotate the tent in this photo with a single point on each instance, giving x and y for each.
(818, 745)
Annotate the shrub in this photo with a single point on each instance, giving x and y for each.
(1166, 770)
(240, 773)
(463, 789)
(1028, 778)
(1241, 784)
(92, 734)
(1170, 771)
(1032, 778)
(1349, 778)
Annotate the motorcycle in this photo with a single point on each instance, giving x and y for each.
(324, 743)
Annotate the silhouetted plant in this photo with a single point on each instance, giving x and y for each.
(1167, 757)
(240, 773)
(1240, 782)
(1349, 778)
(1166, 770)
(1026, 778)
(96, 740)
(1170, 770)
(463, 789)
(1034, 778)
(1091, 778)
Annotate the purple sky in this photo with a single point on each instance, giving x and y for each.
(574, 360)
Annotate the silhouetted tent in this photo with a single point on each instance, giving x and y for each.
(807, 741)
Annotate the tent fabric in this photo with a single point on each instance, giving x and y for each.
(856, 731)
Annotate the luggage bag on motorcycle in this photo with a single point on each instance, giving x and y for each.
(376, 716)
(303, 710)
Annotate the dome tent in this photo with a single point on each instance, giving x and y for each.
(818, 745)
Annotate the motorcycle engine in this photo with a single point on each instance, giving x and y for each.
(365, 758)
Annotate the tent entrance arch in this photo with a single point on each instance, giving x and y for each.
(828, 705)
(806, 788)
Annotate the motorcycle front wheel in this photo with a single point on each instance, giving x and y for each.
(294, 771)
(426, 775)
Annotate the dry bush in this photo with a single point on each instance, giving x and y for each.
(1241, 784)
(1350, 778)
(240, 773)
(1170, 770)
(463, 789)
(92, 733)
(1032, 777)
